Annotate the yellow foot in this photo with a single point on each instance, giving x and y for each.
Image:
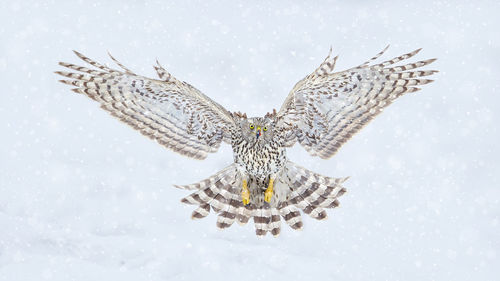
(245, 193)
(268, 194)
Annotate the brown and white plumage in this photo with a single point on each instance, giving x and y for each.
(172, 112)
(322, 112)
(307, 191)
(332, 106)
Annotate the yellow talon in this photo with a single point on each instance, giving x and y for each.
(269, 191)
(245, 193)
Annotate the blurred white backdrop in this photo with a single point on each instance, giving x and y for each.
(84, 197)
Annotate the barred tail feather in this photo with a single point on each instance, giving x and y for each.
(262, 220)
(201, 212)
(275, 224)
(291, 215)
(313, 192)
(244, 214)
(296, 189)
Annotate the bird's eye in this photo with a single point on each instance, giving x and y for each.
(251, 126)
(265, 129)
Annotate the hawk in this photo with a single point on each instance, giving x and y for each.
(321, 113)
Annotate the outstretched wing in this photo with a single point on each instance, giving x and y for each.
(172, 112)
(328, 107)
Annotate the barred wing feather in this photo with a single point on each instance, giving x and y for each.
(330, 107)
(172, 112)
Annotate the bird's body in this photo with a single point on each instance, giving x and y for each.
(321, 113)
(258, 158)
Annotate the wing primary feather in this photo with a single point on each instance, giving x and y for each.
(376, 56)
(399, 58)
(128, 71)
(92, 62)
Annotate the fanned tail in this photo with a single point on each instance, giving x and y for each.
(312, 192)
(218, 192)
(296, 189)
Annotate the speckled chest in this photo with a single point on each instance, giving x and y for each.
(261, 159)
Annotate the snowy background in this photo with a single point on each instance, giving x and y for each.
(84, 197)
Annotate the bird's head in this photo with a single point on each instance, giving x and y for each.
(255, 130)
(258, 129)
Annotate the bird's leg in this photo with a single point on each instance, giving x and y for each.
(245, 193)
(268, 194)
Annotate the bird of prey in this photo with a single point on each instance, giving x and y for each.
(322, 112)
